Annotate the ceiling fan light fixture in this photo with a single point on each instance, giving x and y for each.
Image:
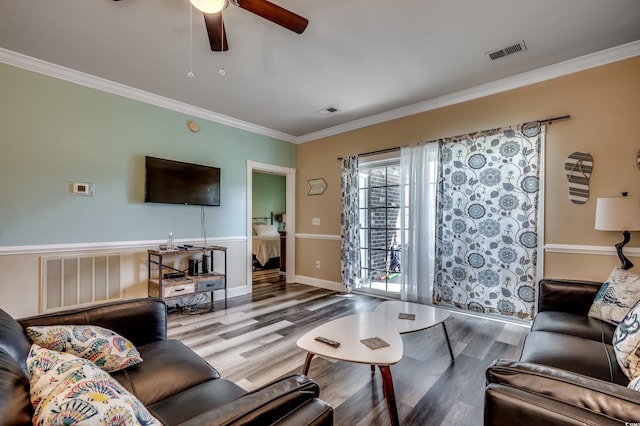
(210, 6)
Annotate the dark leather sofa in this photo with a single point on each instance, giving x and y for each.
(173, 382)
(567, 373)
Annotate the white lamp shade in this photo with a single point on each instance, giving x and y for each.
(618, 214)
(209, 6)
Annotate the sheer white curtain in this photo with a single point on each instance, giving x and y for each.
(419, 171)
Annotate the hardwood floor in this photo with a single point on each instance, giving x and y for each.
(253, 342)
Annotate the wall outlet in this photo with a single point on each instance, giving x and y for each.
(317, 264)
(315, 221)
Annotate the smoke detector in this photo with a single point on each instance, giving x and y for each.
(506, 51)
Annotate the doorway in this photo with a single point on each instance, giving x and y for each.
(284, 224)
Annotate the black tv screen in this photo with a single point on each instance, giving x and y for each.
(175, 182)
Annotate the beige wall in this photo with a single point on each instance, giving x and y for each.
(604, 104)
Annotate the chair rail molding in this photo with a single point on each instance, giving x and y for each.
(318, 237)
(587, 249)
(115, 245)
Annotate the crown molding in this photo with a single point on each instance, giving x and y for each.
(560, 69)
(63, 73)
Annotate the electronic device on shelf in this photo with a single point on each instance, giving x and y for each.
(170, 275)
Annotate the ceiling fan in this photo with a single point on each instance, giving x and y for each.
(212, 11)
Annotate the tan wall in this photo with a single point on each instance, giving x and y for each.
(604, 104)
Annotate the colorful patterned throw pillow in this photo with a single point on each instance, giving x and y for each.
(68, 390)
(616, 296)
(106, 349)
(626, 343)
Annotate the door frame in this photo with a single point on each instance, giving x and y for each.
(290, 208)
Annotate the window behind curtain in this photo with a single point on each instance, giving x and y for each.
(380, 225)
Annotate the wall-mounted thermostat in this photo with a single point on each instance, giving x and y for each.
(80, 188)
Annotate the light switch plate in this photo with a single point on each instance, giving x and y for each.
(315, 221)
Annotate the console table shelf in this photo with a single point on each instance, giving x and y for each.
(168, 288)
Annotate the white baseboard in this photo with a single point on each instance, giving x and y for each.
(231, 292)
(316, 282)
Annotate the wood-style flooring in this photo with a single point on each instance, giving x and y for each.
(253, 342)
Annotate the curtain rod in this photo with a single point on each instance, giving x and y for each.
(379, 151)
(396, 148)
(551, 120)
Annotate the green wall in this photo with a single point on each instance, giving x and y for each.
(53, 132)
(269, 194)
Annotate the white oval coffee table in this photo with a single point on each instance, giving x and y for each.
(425, 317)
(348, 331)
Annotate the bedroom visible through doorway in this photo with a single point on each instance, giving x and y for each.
(270, 223)
(268, 220)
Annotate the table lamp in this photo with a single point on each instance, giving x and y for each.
(619, 214)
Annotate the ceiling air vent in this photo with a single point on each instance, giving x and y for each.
(328, 110)
(506, 51)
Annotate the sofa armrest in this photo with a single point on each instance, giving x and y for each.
(292, 398)
(537, 394)
(141, 321)
(572, 296)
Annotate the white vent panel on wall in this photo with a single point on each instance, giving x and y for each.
(79, 280)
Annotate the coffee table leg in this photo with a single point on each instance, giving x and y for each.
(389, 394)
(446, 335)
(307, 363)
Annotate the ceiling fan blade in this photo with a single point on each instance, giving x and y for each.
(275, 14)
(217, 34)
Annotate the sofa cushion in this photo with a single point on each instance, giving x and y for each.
(583, 356)
(616, 297)
(65, 389)
(196, 400)
(15, 405)
(141, 321)
(573, 325)
(626, 343)
(105, 348)
(169, 367)
(635, 384)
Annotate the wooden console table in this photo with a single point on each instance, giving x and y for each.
(167, 288)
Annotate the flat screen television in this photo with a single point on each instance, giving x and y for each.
(175, 182)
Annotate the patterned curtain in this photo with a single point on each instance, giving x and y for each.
(487, 219)
(350, 221)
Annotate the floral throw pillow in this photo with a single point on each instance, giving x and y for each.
(626, 343)
(68, 390)
(616, 296)
(105, 348)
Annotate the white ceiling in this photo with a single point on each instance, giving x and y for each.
(363, 57)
